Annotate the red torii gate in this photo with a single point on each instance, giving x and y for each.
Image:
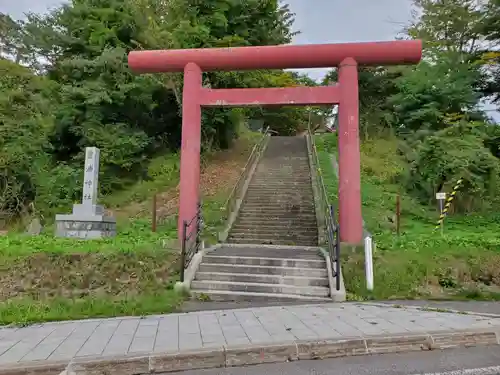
(347, 56)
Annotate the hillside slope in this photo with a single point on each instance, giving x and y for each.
(420, 263)
(47, 278)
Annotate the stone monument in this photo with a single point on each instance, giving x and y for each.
(88, 219)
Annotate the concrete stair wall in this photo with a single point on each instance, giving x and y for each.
(278, 207)
(262, 273)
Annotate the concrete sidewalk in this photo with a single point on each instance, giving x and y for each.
(235, 337)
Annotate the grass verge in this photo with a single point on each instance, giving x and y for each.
(463, 263)
(49, 279)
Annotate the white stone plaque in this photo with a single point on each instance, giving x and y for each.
(90, 176)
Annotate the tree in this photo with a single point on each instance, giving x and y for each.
(101, 103)
(457, 152)
(451, 26)
(376, 85)
(229, 23)
(11, 39)
(490, 56)
(25, 125)
(91, 98)
(431, 91)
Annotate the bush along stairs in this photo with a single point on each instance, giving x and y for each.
(272, 251)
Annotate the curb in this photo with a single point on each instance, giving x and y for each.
(257, 354)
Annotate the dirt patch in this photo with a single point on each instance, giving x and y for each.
(219, 174)
(45, 275)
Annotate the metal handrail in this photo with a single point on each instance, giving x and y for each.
(332, 226)
(188, 247)
(257, 148)
(333, 231)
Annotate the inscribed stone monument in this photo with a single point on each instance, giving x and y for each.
(88, 219)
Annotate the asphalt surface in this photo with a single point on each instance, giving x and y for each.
(471, 361)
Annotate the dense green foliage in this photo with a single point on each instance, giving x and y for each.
(75, 90)
(435, 108)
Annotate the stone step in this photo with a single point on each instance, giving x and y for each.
(287, 170)
(286, 157)
(284, 212)
(270, 189)
(277, 163)
(289, 204)
(280, 181)
(279, 222)
(270, 208)
(300, 281)
(267, 234)
(279, 242)
(265, 199)
(283, 166)
(290, 207)
(260, 261)
(274, 192)
(276, 227)
(263, 270)
(222, 295)
(311, 291)
(283, 171)
(259, 215)
(289, 252)
(279, 213)
(282, 202)
(263, 235)
(285, 187)
(294, 195)
(275, 232)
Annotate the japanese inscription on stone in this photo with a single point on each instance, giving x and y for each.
(90, 176)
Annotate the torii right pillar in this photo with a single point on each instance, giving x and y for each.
(349, 155)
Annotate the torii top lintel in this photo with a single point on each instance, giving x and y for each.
(277, 57)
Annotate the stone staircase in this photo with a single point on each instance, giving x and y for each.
(272, 252)
(278, 207)
(258, 273)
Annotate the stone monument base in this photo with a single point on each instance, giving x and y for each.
(92, 224)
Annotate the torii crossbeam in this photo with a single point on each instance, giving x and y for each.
(347, 57)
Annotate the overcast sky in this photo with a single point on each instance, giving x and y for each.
(327, 21)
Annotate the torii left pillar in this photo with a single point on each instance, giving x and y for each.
(190, 145)
(346, 57)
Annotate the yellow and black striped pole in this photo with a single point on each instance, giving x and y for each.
(449, 200)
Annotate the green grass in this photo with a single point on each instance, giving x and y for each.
(463, 263)
(45, 278)
(163, 172)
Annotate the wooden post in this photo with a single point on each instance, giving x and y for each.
(398, 214)
(153, 215)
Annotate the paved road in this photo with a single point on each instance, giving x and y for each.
(484, 361)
